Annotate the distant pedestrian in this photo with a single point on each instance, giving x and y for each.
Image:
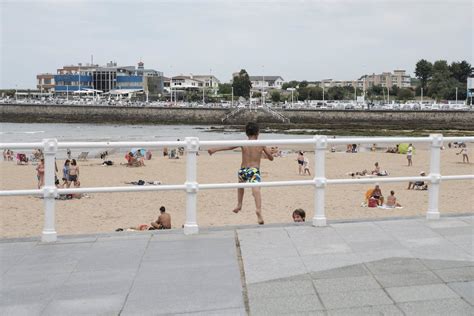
(68, 152)
(464, 152)
(409, 155)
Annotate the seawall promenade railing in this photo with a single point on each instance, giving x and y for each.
(191, 187)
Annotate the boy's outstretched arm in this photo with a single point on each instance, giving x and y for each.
(214, 150)
(268, 153)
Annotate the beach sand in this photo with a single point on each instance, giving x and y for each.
(23, 216)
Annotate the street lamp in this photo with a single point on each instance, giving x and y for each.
(16, 92)
(291, 89)
(421, 95)
(232, 104)
(456, 95)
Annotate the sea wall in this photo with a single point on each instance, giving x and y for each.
(26, 113)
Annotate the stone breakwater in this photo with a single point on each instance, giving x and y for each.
(26, 113)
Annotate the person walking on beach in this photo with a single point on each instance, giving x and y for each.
(300, 160)
(249, 168)
(306, 166)
(465, 157)
(40, 173)
(66, 173)
(409, 155)
(73, 174)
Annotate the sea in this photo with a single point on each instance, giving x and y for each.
(36, 132)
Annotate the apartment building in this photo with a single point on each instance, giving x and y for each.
(398, 78)
(266, 82)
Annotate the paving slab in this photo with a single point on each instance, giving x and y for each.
(280, 288)
(421, 293)
(440, 307)
(346, 284)
(456, 274)
(385, 310)
(396, 266)
(335, 300)
(285, 305)
(464, 289)
(408, 279)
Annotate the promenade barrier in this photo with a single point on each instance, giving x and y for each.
(191, 187)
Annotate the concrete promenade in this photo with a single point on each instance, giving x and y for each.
(389, 267)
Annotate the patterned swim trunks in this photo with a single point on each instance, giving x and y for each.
(251, 175)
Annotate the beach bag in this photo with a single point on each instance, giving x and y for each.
(372, 202)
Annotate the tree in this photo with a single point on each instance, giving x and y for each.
(225, 88)
(423, 71)
(460, 71)
(315, 93)
(336, 93)
(405, 94)
(442, 82)
(291, 84)
(242, 84)
(276, 96)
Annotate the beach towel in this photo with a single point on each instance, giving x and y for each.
(386, 207)
(143, 182)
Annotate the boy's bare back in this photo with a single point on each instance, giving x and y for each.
(251, 156)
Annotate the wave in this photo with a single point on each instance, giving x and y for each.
(32, 132)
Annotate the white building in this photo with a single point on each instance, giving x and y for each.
(192, 82)
(266, 82)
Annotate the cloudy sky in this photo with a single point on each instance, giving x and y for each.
(295, 39)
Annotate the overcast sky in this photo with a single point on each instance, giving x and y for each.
(298, 40)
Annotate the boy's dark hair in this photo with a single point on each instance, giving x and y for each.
(252, 129)
(300, 212)
(162, 209)
(392, 192)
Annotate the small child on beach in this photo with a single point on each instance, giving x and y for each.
(250, 168)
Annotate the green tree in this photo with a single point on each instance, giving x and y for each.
(442, 83)
(225, 88)
(291, 84)
(423, 71)
(242, 84)
(276, 96)
(315, 93)
(336, 93)
(405, 94)
(460, 70)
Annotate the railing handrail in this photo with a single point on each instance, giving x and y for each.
(258, 142)
(191, 186)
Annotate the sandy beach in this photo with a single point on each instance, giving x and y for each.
(23, 216)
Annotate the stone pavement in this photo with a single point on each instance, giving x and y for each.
(394, 267)
(391, 267)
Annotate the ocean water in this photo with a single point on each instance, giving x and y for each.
(34, 132)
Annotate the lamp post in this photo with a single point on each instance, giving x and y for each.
(323, 93)
(422, 95)
(291, 89)
(16, 92)
(232, 104)
(263, 84)
(456, 95)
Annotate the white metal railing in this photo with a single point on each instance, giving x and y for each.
(191, 186)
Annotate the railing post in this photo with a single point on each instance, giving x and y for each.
(435, 176)
(192, 147)
(319, 218)
(50, 147)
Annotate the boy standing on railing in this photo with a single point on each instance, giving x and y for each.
(250, 168)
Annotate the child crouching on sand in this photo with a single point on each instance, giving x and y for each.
(249, 168)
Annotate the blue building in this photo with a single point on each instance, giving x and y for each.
(107, 79)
